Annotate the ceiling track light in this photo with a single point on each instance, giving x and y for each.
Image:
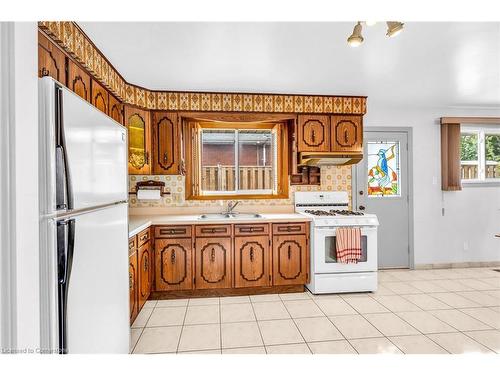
(355, 39)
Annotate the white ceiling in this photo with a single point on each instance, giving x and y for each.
(428, 64)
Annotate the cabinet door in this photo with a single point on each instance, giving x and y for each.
(139, 140)
(51, 60)
(213, 263)
(290, 260)
(165, 145)
(78, 81)
(314, 131)
(144, 271)
(347, 133)
(251, 261)
(132, 282)
(115, 109)
(100, 97)
(173, 258)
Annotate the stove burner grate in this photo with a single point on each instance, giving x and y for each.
(334, 213)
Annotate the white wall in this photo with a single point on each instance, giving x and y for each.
(471, 215)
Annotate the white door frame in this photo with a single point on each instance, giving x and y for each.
(19, 217)
(354, 187)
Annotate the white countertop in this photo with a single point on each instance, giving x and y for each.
(137, 223)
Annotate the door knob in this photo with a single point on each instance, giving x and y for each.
(361, 192)
(361, 208)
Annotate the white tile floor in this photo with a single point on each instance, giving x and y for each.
(413, 312)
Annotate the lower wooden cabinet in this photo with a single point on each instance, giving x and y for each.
(173, 257)
(144, 272)
(252, 259)
(290, 259)
(213, 262)
(132, 284)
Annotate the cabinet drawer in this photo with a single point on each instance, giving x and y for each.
(131, 245)
(212, 230)
(287, 228)
(143, 237)
(251, 229)
(173, 232)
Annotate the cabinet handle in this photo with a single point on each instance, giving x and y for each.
(172, 257)
(130, 282)
(146, 157)
(212, 256)
(251, 253)
(145, 237)
(289, 252)
(45, 72)
(130, 245)
(346, 136)
(313, 136)
(165, 158)
(145, 264)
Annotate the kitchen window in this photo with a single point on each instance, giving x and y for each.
(480, 154)
(236, 160)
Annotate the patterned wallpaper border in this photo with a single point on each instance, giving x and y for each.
(73, 40)
(333, 178)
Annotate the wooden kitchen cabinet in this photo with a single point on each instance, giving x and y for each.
(347, 133)
(139, 140)
(173, 257)
(165, 143)
(133, 277)
(213, 262)
(51, 60)
(100, 97)
(313, 133)
(115, 109)
(144, 264)
(252, 259)
(290, 259)
(78, 81)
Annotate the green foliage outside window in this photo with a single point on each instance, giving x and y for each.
(468, 150)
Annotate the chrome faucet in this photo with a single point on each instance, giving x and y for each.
(230, 207)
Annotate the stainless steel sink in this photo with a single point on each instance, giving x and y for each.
(233, 215)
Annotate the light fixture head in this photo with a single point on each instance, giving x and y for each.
(356, 38)
(394, 28)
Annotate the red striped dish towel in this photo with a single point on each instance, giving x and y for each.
(348, 244)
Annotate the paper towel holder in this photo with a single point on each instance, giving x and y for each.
(151, 185)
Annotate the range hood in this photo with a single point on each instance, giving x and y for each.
(316, 159)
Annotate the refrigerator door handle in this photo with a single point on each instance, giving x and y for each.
(64, 191)
(65, 249)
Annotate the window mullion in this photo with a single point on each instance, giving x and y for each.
(236, 162)
(481, 153)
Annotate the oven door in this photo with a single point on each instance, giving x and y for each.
(325, 251)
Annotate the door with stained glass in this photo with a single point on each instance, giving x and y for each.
(382, 189)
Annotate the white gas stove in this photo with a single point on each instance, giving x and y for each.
(329, 211)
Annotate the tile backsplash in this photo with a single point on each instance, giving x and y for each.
(333, 178)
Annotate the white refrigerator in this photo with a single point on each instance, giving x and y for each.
(83, 226)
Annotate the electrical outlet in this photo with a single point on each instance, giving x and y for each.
(466, 245)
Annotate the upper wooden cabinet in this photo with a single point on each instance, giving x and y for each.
(139, 140)
(347, 133)
(115, 109)
(78, 81)
(165, 143)
(100, 97)
(213, 262)
(290, 259)
(51, 60)
(314, 133)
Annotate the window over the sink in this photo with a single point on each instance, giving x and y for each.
(228, 160)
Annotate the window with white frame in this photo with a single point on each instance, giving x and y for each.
(480, 154)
